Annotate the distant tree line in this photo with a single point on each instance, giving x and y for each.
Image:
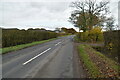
(12, 37)
(70, 30)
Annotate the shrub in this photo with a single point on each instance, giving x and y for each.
(93, 35)
(16, 37)
(112, 43)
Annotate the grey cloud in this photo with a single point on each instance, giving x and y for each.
(119, 13)
(51, 6)
(37, 13)
(27, 13)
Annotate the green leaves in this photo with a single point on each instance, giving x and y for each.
(17, 37)
(18, 47)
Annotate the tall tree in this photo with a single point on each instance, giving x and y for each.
(110, 24)
(88, 13)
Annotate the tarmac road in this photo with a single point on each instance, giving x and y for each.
(53, 59)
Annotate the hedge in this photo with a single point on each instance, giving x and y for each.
(17, 37)
(112, 43)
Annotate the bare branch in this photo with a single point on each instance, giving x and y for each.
(90, 13)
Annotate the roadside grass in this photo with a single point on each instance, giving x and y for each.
(92, 68)
(18, 47)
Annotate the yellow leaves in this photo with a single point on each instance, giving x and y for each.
(93, 35)
(110, 46)
(96, 30)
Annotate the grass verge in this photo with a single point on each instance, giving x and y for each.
(91, 62)
(92, 68)
(111, 63)
(18, 47)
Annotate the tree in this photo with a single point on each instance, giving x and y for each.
(70, 30)
(64, 29)
(110, 24)
(95, 34)
(88, 13)
(42, 29)
(30, 29)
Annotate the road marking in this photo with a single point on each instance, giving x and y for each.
(57, 43)
(36, 56)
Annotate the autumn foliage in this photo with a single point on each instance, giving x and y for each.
(93, 35)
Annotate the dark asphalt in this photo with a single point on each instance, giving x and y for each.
(53, 59)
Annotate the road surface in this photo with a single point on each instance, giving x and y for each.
(54, 59)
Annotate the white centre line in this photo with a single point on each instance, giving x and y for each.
(57, 43)
(36, 56)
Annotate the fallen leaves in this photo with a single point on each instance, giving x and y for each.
(103, 65)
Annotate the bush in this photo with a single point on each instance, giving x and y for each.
(17, 37)
(112, 43)
(94, 35)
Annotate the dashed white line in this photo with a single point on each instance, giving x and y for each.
(57, 43)
(36, 56)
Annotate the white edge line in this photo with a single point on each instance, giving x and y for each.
(35, 57)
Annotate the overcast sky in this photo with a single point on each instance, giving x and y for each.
(47, 14)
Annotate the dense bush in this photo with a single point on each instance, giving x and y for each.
(93, 35)
(112, 43)
(16, 37)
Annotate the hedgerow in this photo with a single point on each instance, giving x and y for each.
(17, 37)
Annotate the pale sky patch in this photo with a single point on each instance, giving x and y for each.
(47, 14)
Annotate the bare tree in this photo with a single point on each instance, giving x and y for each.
(88, 13)
(110, 24)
